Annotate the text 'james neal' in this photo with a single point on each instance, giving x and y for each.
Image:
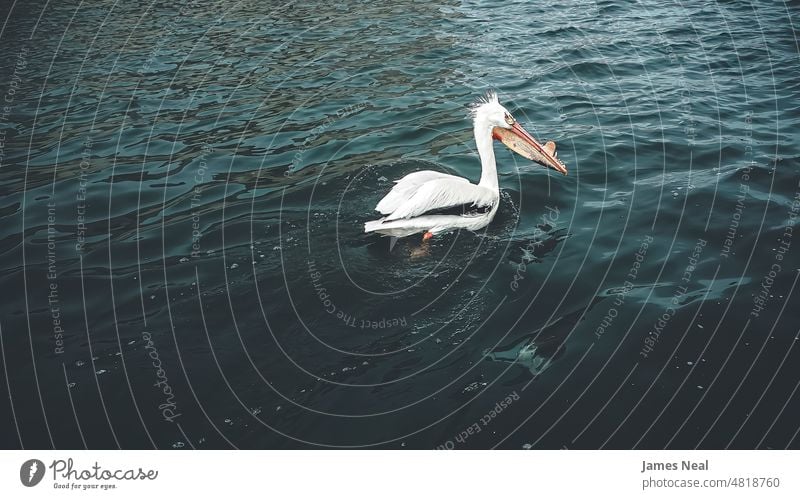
(684, 466)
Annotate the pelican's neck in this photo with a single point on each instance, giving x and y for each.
(483, 140)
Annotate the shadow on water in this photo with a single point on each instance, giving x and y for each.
(537, 351)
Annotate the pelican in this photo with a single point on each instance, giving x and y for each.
(432, 202)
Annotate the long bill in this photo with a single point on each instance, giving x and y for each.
(522, 143)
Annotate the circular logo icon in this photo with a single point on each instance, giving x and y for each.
(31, 472)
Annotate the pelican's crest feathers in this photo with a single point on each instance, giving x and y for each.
(489, 98)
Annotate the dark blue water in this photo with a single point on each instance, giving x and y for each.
(184, 187)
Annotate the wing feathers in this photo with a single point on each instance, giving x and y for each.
(442, 193)
(406, 187)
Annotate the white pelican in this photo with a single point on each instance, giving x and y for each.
(433, 202)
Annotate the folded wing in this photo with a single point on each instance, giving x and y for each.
(441, 193)
(407, 187)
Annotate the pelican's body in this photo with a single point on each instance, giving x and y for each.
(433, 202)
(429, 201)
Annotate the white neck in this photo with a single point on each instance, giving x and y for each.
(483, 140)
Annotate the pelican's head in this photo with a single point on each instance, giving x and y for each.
(489, 113)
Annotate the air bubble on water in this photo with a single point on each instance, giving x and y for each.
(471, 387)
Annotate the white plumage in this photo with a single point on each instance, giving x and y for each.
(416, 202)
(407, 187)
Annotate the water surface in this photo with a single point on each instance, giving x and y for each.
(184, 187)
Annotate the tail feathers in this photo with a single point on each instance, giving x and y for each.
(373, 225)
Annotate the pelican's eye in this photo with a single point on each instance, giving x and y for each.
(509, 119)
